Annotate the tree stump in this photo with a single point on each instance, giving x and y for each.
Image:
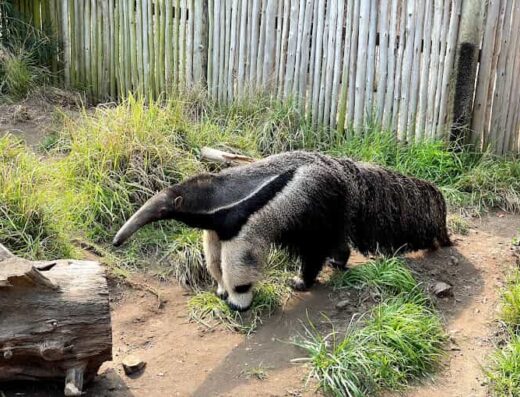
(54, 320)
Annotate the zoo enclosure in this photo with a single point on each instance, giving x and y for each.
(444, 69)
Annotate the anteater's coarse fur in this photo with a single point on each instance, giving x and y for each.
(312, 204)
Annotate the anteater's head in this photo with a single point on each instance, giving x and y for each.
(174, 202)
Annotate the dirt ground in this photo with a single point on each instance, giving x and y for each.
(186, 359)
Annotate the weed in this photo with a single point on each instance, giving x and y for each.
(457, 224)
(504, 371)
(259, 372)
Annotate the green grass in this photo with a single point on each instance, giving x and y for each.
(511, 302)
(28, 226)
(504, 371)
(387, 276)
(25, 54)
(399, 341)
(269, 294)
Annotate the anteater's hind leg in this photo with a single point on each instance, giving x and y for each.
(312, 263)
(212, 252)
(241, 264)
(339, 257)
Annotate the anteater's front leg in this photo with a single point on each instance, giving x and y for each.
(212, 252)
(241, 265)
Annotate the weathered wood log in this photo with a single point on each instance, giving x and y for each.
(54, 320)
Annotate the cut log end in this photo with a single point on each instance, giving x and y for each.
(55, 321)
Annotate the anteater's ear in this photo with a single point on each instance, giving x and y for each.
(177, 203)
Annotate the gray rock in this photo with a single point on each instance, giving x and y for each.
(132, 364)
(442, 290)
(342, 304)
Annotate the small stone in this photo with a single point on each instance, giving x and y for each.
(454, 260)
(132, 364)
(442, 289)
(342, 304)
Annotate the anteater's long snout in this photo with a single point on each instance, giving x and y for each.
(156, 208)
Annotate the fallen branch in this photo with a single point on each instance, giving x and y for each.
(230, 159)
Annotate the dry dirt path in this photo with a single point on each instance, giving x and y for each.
(484, 258)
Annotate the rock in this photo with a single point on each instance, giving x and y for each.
(132, 364)
(342, 304)
(454, 260)
(442, 289)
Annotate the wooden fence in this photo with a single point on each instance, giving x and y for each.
(400, 64)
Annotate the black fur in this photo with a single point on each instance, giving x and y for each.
(242, 289)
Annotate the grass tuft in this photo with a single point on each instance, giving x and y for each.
(399, 341)
(504, 371)
(269, 294)
(208, 309)
(511, 302)
(388, 276)
(458, 225)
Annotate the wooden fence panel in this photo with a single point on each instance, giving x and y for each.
(351, 63)
(495, 122)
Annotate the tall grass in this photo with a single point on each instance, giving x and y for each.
(24, 56)
(397, 342)
(28, 226)
(503, 371)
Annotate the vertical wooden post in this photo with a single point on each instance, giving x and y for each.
(465, 70)
(200, 46)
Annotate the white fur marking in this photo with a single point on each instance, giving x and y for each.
(243, 301)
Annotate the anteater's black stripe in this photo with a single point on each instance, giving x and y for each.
(228, 222)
